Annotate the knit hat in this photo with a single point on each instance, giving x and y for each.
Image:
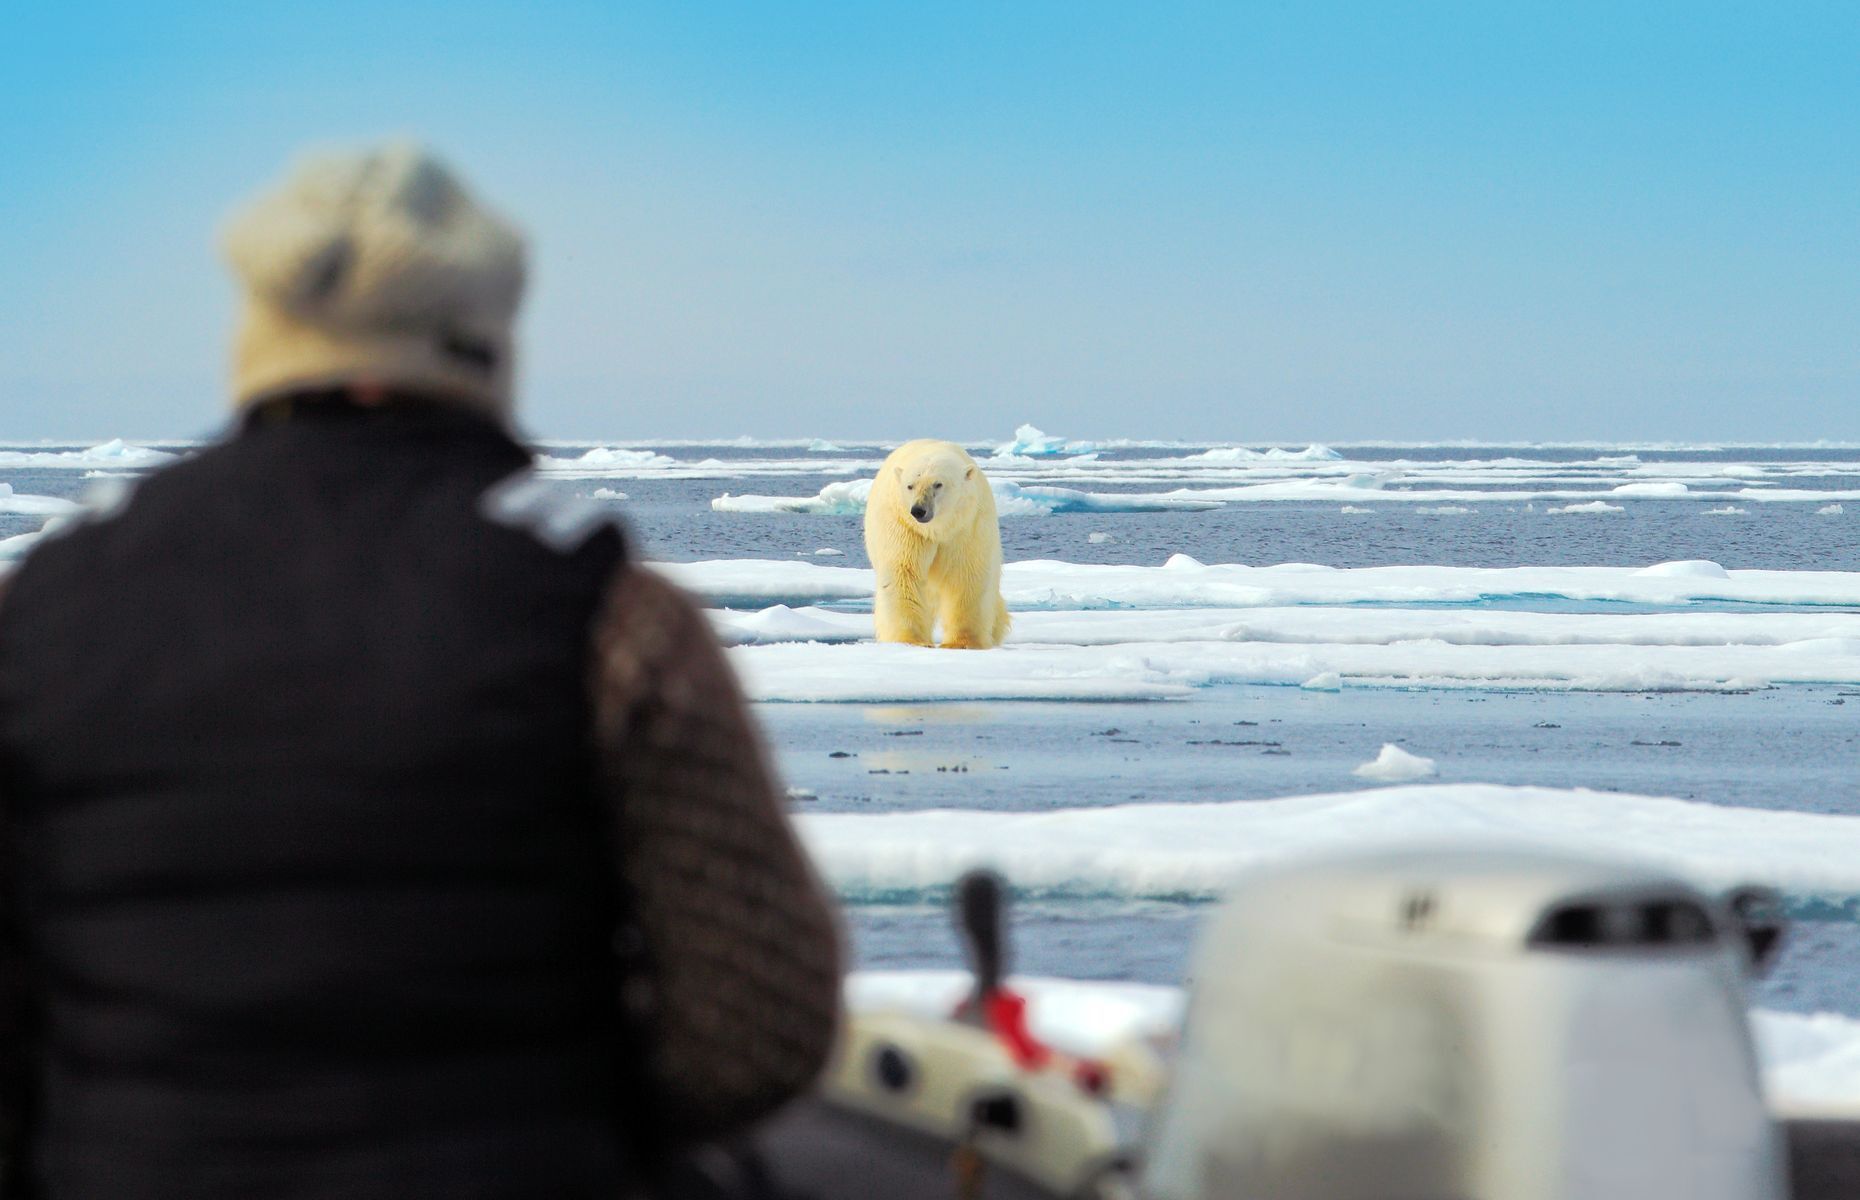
(375, 266)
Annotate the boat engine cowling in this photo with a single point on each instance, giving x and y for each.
(1455, 1024)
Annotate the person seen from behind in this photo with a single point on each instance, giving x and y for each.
(372, 824)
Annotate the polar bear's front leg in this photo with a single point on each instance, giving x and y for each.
(899, 613)
(970, 609)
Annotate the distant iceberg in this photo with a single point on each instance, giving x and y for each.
(1311, 453)
(602, 457)
(1031, 442)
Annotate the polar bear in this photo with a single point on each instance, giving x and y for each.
(935, 546)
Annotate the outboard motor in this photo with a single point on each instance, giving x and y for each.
(1469, 1024)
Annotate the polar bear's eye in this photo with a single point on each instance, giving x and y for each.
(937, 488)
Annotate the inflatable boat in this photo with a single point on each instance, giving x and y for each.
(1412, 1025)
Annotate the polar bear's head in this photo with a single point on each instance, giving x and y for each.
(939, 485)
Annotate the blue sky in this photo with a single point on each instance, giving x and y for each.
(1224, 221)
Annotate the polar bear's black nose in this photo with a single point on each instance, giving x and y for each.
(920, 512)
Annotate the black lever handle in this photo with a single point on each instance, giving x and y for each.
(981, 910)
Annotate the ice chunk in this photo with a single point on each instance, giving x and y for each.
(608, 494)
(1658, 491)
(829, 552)
(1828, 510)
(1395, 765)
(821, 446)
(1445, 510)
(1593, 506)
(1729, 510)
(1328, 681)
(1351, 508)
(1098, 538)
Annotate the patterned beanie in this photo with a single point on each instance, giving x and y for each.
(375, 266)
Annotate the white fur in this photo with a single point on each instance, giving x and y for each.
(942, 572)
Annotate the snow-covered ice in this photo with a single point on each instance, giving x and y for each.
(26, 505)
(1593, 506)
(1195, 851)
(1182, 582)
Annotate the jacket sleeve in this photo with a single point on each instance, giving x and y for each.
(737, 994)
(14, 991)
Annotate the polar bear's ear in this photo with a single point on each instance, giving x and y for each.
(969, 474)
(900, 471)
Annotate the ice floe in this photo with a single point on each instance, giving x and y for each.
(26, 505)
(1176, 851)
(1593, 506)
(868, 672)
(1182, 582)
(1341, 625)
(1810, 1062)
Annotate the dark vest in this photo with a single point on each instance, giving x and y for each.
(315, 891)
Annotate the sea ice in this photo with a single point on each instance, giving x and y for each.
(1729, 510)
(1829, 510)
(1183, 582)
(1011, 500)
(26, 505)
(1593, 506)
(115, 454)
(1276, 454)
(1395, 765)
(1326, 681)
(1181, 851)
(608, 494)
